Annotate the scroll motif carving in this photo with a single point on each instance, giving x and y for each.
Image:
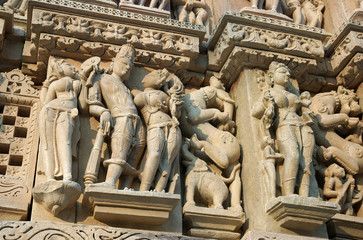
(104, 11)
(83, 28)
(261, 38)
(47, 230)
(12, 188)
(53, 43)
(15, 82)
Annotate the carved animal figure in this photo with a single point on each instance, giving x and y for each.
(333, 109)
(211, 188)
(218, 143)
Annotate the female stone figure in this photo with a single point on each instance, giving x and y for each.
(160, 111)
(295, 139)
(59, 134)
(58, 120)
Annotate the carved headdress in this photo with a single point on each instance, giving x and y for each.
(128, 52)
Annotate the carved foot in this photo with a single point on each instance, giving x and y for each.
(189, 203)
(218, 206)
(195, 143)
(103, 185)
(236, 208)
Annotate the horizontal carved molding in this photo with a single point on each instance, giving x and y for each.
(50, 44)
(48, 230)
(245, 57)
(94, 11)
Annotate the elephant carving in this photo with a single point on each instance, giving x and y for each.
(202, 184)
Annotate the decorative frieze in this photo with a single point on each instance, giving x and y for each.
(53, 31)
(19, 109)
(244, 40)
(49, 230)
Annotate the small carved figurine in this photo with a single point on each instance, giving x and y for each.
(338, 190)
(312, 10)
(19, 6)
(269, 4)
(193, 11)
(271, 157)
(163, 133)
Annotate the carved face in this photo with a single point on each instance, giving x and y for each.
(156, 79)
(338, 171)
(282, 76)
(66, 70)
(215, 82)
(122, 68)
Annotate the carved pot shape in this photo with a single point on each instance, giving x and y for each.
(56, 196)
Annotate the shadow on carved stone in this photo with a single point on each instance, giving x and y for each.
(56, 196)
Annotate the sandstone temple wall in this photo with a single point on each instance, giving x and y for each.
(181, 119)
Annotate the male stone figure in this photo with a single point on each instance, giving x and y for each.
(126, 122)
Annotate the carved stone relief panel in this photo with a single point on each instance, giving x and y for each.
(211, 154)
(92, 36)
(19, 106)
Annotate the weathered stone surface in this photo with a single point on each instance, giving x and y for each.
(206, 222)
(116, 206)
(49, 230)
(301, 213)
(345, 227)
(261, 235)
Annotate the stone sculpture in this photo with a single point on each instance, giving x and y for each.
(163, 133)
(271, 158)
(332, 109)
(201, 107)
(340, 190)
(307, 12)
(19, 6)
(294, 138)
(210, 186)
(59, 134)
(193, 11)
(269, 4)
(127, 136)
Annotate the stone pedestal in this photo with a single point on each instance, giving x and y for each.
(262, 235)
(300, 213)
(144, 10)
(213, 223)
(118, 206)
(345, 227)
(266, 13)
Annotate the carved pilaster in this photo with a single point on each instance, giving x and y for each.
(19, 108)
